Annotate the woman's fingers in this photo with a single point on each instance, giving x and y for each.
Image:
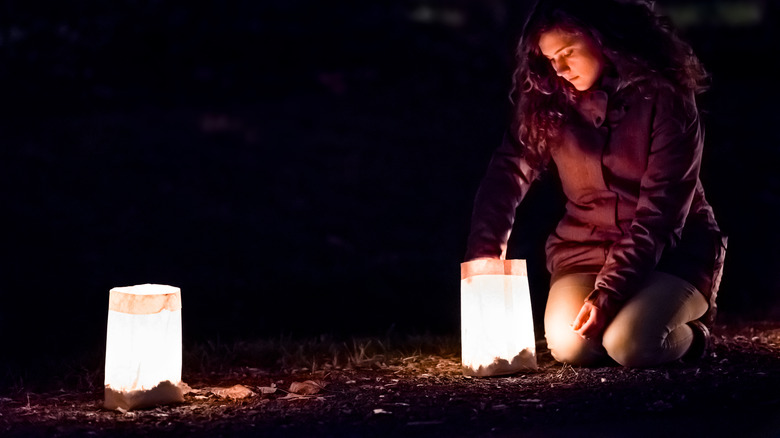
(594, 326)
(582, 317)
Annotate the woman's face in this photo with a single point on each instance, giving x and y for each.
(575, 57)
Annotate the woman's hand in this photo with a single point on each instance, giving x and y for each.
(590, 322)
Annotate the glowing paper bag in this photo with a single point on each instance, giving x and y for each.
(497, 329)
(143, 347)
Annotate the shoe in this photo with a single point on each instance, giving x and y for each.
(700, 344)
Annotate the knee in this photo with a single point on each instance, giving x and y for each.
(629, 349)
(570, 348)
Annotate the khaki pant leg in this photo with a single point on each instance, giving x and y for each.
(567, 295)
(650, 328)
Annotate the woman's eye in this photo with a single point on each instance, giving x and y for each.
(568, 53)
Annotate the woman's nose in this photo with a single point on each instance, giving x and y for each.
(560, 66)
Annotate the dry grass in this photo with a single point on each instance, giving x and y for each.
(215, 357)
(412, 386)
(323, 353)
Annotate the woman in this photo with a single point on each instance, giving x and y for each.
(604, 96)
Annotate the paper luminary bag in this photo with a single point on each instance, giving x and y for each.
(143, 347)
(497, 329)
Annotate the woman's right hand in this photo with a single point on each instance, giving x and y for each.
(590, 322)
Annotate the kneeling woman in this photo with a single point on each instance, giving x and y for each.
(604, 96)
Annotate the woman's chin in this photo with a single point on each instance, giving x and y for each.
(581, 85)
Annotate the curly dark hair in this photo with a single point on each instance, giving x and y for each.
(637, 43)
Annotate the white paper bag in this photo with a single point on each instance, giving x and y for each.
(497, 329)
(143, 347)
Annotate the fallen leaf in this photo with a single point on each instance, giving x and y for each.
(308, 387)
(185, 388)
(235, 392)
(267, 389)
(381, 412)
(293, 396)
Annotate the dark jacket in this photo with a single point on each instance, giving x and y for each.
(629, 164)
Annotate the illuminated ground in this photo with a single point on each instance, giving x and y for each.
(732, 392)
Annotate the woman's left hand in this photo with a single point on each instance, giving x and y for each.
(590, 322)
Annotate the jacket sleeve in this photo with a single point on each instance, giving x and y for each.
(502, 189)
(666, 193)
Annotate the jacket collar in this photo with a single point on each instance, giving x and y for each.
(592, 104)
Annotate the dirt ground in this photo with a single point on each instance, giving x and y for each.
(732, 392)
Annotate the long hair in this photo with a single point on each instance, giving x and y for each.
(637, 45)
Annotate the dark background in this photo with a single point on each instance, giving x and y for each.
(307, 167)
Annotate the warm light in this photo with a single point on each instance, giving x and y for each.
(497, 329)
(143, 347)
